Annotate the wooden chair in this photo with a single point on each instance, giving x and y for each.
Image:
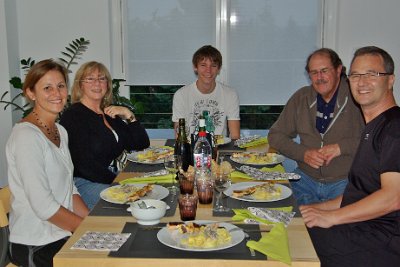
(5, 205)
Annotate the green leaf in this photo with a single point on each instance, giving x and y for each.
(16, 82)
(63, 60)
(74, 46)
(66, 54)
(71, 50)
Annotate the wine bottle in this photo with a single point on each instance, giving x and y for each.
(182, 146)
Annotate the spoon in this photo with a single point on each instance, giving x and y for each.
(143, 205)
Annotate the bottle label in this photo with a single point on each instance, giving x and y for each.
(202, 160)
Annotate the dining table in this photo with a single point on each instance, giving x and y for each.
(144, 249)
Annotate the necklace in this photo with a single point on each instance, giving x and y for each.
(52, 133)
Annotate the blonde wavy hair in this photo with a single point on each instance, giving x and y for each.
(84, 71)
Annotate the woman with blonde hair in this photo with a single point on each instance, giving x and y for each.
(98, 131)
(45, 204)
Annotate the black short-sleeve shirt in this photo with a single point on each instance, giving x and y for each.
(378, 152)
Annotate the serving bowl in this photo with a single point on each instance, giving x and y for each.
(149, 214)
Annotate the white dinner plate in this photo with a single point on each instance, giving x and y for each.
(227, 140)
(162, 151)
(158, 192)
(165, 237)
(285, 192)
(244, 160)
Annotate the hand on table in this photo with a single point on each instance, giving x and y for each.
(313, 216)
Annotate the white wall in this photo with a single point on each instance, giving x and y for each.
(369, 22)
(44, 27)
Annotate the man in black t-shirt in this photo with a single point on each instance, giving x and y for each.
(362, 227)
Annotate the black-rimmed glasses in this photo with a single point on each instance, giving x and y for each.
(93, 80)
(355, 77)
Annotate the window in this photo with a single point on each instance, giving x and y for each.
(264, 43)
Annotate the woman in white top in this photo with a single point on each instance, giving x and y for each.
(45, 205)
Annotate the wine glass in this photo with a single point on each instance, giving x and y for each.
(221, 182)
(172, 164)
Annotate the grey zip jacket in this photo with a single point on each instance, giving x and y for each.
(298, 118)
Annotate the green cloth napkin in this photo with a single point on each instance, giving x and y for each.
(276, 168)
(151, 179)
(257, 142)
(274, 244)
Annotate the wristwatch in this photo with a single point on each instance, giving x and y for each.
(131, 119)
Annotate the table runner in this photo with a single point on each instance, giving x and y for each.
(144, 244)
(140, 167)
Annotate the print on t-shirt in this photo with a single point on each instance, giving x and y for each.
(213, 108)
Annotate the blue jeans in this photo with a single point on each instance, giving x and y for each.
(89, 191)
(308, 191)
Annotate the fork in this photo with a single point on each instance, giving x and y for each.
(247, 238)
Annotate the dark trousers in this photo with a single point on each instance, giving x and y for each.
(35, 256)
(344, 245)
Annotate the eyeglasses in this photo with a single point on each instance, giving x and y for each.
(370, 76)
(92, 80)
(324, 71)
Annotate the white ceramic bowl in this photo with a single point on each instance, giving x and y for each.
(148, 216)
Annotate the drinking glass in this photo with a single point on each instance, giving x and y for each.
(172, 164)
(187, 206)
(221, 182)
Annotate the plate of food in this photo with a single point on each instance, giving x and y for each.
(222, 140)
(256, 158)
(120, 194)
(200, 235)
(151, 155)
(258, 192)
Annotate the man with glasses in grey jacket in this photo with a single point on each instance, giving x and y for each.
(321, 115)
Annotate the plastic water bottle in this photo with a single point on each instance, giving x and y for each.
(210, 128)
(202, 151)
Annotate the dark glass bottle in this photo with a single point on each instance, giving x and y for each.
(182, 146)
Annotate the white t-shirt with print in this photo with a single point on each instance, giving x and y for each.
(222, 105)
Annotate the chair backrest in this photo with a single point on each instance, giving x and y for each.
(5, 196)
(5, 199)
